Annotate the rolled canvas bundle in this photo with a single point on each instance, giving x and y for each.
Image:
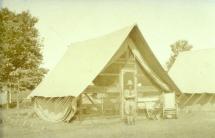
(55, 109)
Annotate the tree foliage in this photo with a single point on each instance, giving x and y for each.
(176, 48)
(20, 50)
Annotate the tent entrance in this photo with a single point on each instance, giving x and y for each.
(128, 79)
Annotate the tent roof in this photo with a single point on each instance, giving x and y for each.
(194, 71)
(83, 61)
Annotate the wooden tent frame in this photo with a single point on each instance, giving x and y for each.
(122, 88)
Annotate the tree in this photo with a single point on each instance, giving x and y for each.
(20, 51)
(176, 48)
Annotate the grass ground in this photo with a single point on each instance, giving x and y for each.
(19, 124)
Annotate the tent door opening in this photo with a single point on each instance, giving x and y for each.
(128, 82)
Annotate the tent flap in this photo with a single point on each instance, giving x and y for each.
(150, 72)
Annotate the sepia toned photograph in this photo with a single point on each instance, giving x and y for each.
(107, 69)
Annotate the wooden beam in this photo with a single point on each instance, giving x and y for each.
(91, 100)
(121, 62)
(188, 99)
(94, 89)
(108, 74)
(198, 99)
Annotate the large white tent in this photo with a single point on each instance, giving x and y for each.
(84, 61)
(194, 74)
(194, 71)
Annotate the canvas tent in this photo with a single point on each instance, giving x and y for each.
(95, 70)
(194, 74)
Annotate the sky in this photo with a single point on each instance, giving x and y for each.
(162, 22)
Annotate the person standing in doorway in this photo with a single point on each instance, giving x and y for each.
(130, 104)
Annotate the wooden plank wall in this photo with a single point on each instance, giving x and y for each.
(105, 93)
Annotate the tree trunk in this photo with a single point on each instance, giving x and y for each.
(8, 99)
(8, 96)
(17, 98)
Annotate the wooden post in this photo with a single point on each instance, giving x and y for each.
(102, 103)
(121, 95)
(7, 94)
(135, 88)
(8, 100)
(17, 96)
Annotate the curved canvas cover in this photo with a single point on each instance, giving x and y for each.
(80, 65)
(55, 109)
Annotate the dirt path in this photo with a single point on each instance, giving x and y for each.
(190, 125)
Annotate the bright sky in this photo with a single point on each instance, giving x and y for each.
(62, 22)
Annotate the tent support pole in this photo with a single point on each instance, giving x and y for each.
(188, 99)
